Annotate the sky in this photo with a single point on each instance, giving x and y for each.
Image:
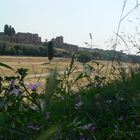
(72, 19)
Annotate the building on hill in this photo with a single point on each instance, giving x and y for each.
(58, 42)
(70, 47)
(27, 38)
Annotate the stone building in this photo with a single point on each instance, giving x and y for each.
(59, 43)
(27, 38)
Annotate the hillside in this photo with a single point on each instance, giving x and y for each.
(100, 54)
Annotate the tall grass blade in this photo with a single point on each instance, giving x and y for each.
(51, 85)
(6, 66)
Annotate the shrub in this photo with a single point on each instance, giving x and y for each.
(84, 56)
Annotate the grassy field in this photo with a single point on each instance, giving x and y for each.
(41, 65)
(36, 65)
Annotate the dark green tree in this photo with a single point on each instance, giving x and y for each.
(17, 49)
(13, 31)
(9, 30)
(6, 28)
(50, 50)
(84, 56)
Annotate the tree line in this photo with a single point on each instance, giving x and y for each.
(99, 54)
(46, 49)
(22, 49)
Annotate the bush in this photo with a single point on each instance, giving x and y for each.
(84, 56)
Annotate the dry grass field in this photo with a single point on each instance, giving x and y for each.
(36, 65)
(40, 65)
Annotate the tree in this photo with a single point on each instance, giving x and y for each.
(6, 28)
(84, 56)
(50, 50)
(13, 31)
(17, 49)
(9, 30)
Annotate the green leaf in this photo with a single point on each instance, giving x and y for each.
(6, 66)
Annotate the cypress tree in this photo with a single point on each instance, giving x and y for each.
(13, 31)
(10, 30)
(50, 50)
(6, 28)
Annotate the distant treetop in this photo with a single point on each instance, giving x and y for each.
(9, 30)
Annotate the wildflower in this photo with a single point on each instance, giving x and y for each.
(12, 84)
(78, 105)
(34, 87)
(87, 126)
(121, 118)
(108, 101)
(82, 138)
(16, 91)
(34, 127)
(90, 127)
(47, 115)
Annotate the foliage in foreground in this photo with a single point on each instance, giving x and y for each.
(98, 111)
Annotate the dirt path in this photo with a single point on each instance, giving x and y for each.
(45, 74)
(41, 75)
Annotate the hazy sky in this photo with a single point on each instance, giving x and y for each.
(73, 19)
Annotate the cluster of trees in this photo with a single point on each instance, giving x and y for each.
(99, 54)
(46, 49)
(62, 53)
(9, 30)
(21, 49)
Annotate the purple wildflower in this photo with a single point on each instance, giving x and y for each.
(34, 87)
(12, 84)
(82, 138)
(47, 115)
(16, 91)
(87, 126)
(78, 105)
(34, 127)
(90, 127)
